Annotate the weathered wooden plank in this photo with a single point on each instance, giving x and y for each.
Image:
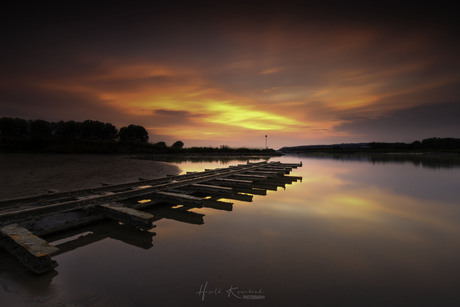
(279, 170)
(217, 204)
(293, 165)
(127, 191)
(252, 177)
(129, 216)
(230, 182)
(265, 186)
(277, 167)
(250, 191)
(84, 201)
(238, 196)
(55, 197)
(32, 251)
(294, 178)
(178, 198)
(262, 173)
(180, 214)
(33, 244)
(276, 182)
(218, 191)
(74, 239)
(209, 188)
(286, 179)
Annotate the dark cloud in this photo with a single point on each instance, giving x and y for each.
(417, 123)
(34, 103)
(59, 59)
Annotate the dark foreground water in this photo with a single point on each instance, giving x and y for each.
(360, 232)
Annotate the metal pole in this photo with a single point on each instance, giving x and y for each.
(266, 146)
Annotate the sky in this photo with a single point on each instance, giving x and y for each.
(213, 73)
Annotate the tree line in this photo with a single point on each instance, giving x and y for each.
(17, 128)
(429, 144)
(89, 136)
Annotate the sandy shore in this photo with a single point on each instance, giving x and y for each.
(32, 174)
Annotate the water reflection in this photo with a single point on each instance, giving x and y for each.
(90, 236)
(203, 159)
(351, 233)
(429, 160)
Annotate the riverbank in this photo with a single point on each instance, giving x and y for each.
(32, 174)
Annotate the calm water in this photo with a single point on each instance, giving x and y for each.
(352, 233)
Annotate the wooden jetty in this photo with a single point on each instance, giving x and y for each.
(23, 220)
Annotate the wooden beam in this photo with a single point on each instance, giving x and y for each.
(129, 216)
(177, 198)
(265, 186)
(252, 177)
(278, 167)
(250, 191)
(262, 173)
(217, 204)
(209, 188)
(238, 196)
(279, 170)
(294, 178)
(230, 182)
(287, 179)
(32, 251)
(218, 192)
(293, 165)
(179, 214)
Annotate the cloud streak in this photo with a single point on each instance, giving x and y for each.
(232, 73)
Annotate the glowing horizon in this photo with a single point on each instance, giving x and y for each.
(301, 81)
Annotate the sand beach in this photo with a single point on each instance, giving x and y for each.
(32, 174)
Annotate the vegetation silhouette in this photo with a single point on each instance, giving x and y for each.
(90, 136)
(426, 160)
(427, 145)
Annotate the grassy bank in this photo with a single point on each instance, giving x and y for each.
(122, 147)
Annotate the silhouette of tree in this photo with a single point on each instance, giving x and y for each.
(110, 132)
(134, 133)
(69, 130)
(96, 130)
(178, 144)
(40, 129)
(160, 145)
(14, 128)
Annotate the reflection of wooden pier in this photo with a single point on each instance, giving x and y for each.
(23, 220)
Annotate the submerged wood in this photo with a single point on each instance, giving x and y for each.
(130, 216)
(263, 173)
(251, 177)
(231, 182)
(59, 211)
(252, 190)
(177, 198)
(33, 252)
(217, 204)
(209, 188)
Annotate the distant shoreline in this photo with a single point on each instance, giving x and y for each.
(439, 145)
(122, 147)
(389, 152)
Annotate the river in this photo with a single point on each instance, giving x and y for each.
(353, 232)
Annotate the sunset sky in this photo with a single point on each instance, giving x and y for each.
(231, 72)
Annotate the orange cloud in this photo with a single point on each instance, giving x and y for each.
(304, 81)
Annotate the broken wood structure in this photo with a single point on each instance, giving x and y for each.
(24, 220)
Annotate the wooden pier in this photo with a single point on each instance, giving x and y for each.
(23, 220)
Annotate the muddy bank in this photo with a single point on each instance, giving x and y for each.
(32, 174)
